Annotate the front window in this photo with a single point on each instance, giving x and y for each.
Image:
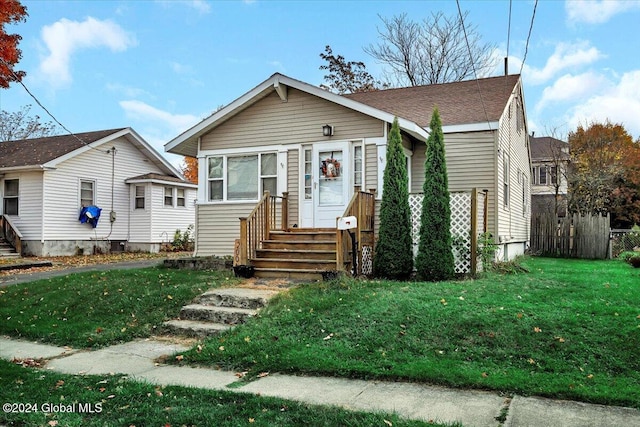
(87, 193)
(10, 201)
(243, 177)
(554, 175)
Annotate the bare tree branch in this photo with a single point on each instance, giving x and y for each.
(20, 125)
(434, 51)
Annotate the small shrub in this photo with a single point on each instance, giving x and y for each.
(487, 248)
(183, 241)
(634, 261)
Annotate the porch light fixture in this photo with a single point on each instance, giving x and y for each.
(327, 130)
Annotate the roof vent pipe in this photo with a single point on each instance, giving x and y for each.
(506, 65)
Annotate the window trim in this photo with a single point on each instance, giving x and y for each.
(225, 171)
(165, 197)
(183, 198)
(136, 197)
(5, 197)
(93, 192)
(506, 181)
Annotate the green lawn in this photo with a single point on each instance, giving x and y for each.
(567, 329)
(122, 402)
(101, 308)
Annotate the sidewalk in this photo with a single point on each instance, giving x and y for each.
(408, 400)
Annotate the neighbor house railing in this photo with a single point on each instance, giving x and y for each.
(363, 207)
(256, 227)
(11, 234)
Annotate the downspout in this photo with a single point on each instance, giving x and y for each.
(202, 182)
(44, 172)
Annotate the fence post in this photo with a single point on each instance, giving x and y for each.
(474, 231)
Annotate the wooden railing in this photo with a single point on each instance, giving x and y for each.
(11, 234)
(363, 207)
(256, 227)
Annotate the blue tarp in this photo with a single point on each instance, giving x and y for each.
(90, 214)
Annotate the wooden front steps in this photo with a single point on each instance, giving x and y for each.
(297, 254)
(6, 250)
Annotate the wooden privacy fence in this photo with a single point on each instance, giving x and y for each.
(570, 237)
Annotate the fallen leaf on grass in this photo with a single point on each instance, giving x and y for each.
(443, 301)
(241, 374)
(531, 361)
(252, 420)
(485, 375)
(53, 423)
(328, 337)
(389, 423)
(560, 339)
(263, 374)
(60, 383)
(537, 330)
(179, 357)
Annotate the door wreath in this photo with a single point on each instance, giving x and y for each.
(331, 168)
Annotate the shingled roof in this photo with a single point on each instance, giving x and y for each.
(546, 147)
(39, 151)
(458, 103)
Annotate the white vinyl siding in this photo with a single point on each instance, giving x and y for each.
(219, 226)
(165, 220)
(61, 205)
(30, 208)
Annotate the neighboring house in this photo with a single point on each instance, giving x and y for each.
(549, 162)
(285, 135)
(45, 183)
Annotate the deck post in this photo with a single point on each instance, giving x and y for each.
(285, 211)
(243, 257)
(339, 248)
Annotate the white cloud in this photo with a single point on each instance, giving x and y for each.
(620, 104)
(128, 91)
(158, 127)
(175, 123)
(200, 5)
(573, 88)
(65, 37)
(566, 56)
(597, 12)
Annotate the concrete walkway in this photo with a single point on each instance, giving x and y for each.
(413, 401)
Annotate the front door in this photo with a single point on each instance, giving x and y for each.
(331, 191)
(330, 183)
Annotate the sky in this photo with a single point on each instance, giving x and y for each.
(161, 66)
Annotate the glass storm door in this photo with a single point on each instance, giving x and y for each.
(331, 182)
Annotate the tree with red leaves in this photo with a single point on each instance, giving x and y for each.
(11, 12)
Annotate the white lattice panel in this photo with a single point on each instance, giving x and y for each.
(367, 260)
(460, 205)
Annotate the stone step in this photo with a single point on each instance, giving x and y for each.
(192, 328)
(236, 298)
(225, 315)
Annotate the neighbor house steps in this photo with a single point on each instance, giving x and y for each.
(296, 254)
(218, 310)
(7, 251)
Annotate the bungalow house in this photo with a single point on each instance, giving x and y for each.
(315, 150)
(46, 183)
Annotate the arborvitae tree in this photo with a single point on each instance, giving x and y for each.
(394, 253)
(435, 257)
